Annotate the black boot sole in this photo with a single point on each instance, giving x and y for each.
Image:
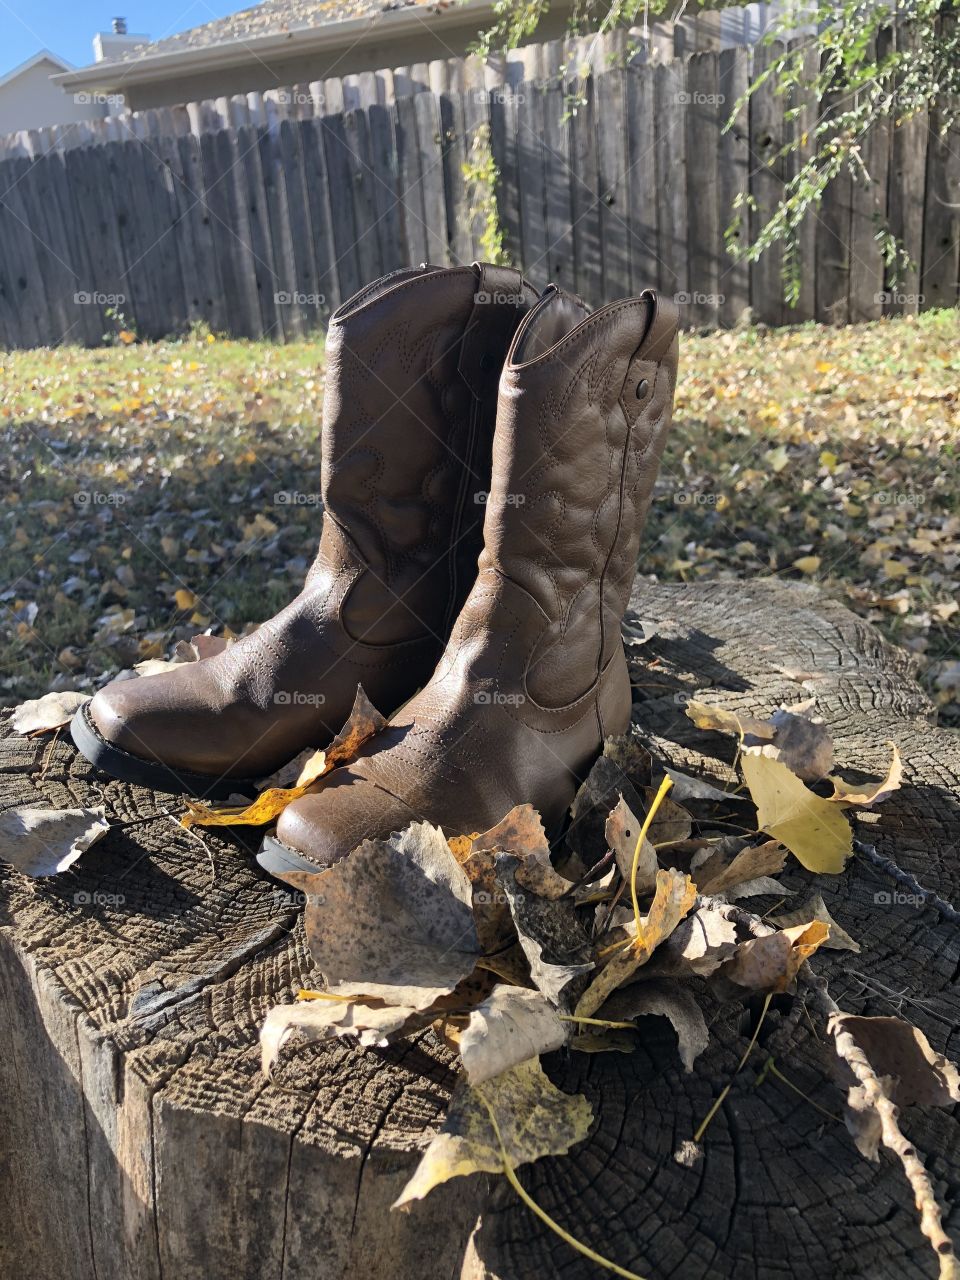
(151, 774)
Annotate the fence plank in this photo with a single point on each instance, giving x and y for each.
(503, 140)
(559, 265)
(530, 171)
(450, 106)
(229, 231)
(703, 222)
(298, 220)
(318, 208)
(941, 228)
(201, 274)
(767, 135)
(587, 245)
(383, 151)
(340, 186)
(612, 185)
(476, 116)
(409, 181)
(868, 201)
(733, 184)
(291, 321)
(908, 168)
(27, 310)
(431, 177)
(803, 130)
(671, 171)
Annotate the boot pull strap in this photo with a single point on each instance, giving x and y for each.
(662, 328)
(501, 299)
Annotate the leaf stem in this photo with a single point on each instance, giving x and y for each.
(658, 799)
(726, 1088)
(511, 1176)
(598, 1022)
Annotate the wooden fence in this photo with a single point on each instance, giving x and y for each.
(261, 228)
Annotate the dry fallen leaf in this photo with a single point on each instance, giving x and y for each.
(553, 940)
(665, 999)
(393, 920)
(321, 1019)
(521, 833)
(771, 963)
(534, 1118)
(510, 1026)
(363, 722)
(862, 795)
(799, 740)
(675, 895)
(813, 829)
(698, 945)
(621, 831)
(52, 711)
(717, 874)
(43, 842)
(901, 1053)
(815, 909)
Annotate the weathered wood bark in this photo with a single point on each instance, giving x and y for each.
(139, 1139)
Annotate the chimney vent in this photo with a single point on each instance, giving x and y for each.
(119, 26)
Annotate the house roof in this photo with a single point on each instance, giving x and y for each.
(271, 17)
(273, 27)
(44, 55)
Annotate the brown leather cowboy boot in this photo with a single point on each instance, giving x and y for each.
(534, 676)
(413, 363)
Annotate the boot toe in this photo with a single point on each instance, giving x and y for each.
(120, 717)
(328, 824)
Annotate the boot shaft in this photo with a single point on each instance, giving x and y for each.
(585, 404)
(413, 362)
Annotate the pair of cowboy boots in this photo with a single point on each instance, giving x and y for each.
(464, 416)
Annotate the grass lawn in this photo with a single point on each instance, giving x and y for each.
(142, 488)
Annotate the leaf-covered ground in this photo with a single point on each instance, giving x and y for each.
(148, 492)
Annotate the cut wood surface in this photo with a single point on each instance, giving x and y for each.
(139, 1138)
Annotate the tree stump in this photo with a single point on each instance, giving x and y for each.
(140, 1141)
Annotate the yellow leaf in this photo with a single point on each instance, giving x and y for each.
(185, 599)
(674, 896)
(807, 564)
(828, 460)
(895, 568)
(777, 459)
(823, 366)
(813, 829)
(363, 722)
(126, 336)
(534, 1119)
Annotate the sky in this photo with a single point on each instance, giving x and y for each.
(67, 27)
